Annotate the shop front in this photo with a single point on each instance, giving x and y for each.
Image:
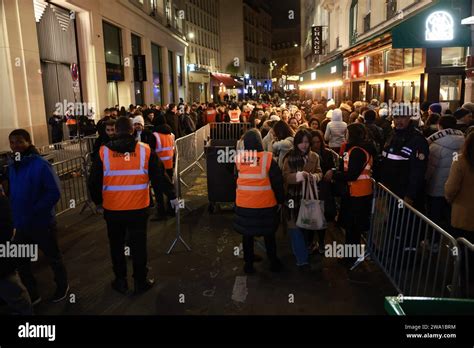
(384, 73)
(325, 81)
(439, 32)
(413, 61)
(225, 87)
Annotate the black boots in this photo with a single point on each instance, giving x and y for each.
(120, 285)
(143, 286)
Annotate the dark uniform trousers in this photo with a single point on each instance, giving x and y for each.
(130, 224)
(160, 201)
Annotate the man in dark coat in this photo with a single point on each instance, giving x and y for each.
(172, 120)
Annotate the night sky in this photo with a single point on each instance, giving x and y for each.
(280, 8)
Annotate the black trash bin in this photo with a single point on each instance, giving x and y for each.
(221, 183)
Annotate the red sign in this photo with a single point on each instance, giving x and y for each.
(74, 72)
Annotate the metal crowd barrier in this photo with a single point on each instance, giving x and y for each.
(72, 175)
(228, 131)
(466, 273)
(69, 149)
(419, 257)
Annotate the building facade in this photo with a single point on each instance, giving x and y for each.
(202, 32)
(245, 29)
(80, 56)
(388, 51)
(286, 58)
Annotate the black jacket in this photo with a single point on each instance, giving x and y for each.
(260, 221)
(7, 265)
(56, 123)
(123, 144)
(173, 121)
(404, 164)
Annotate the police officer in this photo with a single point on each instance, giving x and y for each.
(403, 168)
(404, 161)
(119, 182)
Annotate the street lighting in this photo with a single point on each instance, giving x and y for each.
(191, 35)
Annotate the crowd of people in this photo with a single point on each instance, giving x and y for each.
(426, 159)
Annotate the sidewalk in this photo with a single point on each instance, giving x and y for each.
(210, 277)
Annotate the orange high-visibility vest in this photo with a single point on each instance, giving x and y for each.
(363, 185)
(211, 116)
(125, 185)
(165, 149)
(234, 116)
(71, 122)
(254, 189)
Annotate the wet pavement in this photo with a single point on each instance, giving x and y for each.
(209, 279)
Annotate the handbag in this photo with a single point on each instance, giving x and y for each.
(311, 213)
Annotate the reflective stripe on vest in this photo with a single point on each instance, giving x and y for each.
(394, 157)
(125, 189)
(234, 116)
(254, 188)
(362, 186)
(165, 153)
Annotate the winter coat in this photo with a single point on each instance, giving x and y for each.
(56, 123)
(281, 148)
(444, 147)
(335, 131)
(173, 121)
(268, 142)
(293, 183)
(458, 192)
(260, 221)
(7, 266)
(34, 190)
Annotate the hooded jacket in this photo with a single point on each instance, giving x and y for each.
(34, 190)
(260, 221)
(445, 145)
(122, 144)
(335, 130)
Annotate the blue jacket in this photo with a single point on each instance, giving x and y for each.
(34, 191)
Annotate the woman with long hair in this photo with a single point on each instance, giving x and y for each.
(300, 118)
(300, 164)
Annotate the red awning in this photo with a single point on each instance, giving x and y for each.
(226, 80)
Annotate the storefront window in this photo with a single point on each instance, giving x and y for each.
(394, 59)
(417, 57)
(171, 75)
(407, 92)
(138, 85)
(408, 58)
(453, 56)
(375, 64)
(450, 87)
(157, 74)
(113, 52)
